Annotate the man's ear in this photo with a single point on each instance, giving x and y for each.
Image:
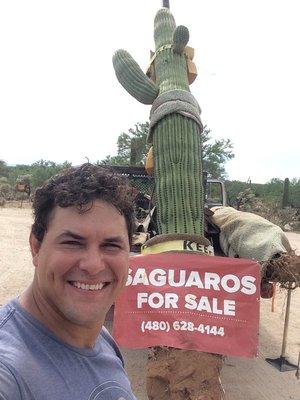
(34, 247)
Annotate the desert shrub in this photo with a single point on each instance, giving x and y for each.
(277, 215)
(20, 196)
(247, 201)
(270, 210)
(5, 188)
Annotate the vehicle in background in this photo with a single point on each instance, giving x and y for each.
(145, 213)
(214, 189)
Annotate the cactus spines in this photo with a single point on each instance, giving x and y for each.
(133, 79)
(176, 171)
(180, 38)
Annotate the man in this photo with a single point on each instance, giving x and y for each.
(52, 341)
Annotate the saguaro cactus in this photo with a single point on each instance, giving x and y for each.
(175, 131)
(286, 193)
(175, 125)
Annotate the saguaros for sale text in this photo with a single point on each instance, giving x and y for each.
(190, 301)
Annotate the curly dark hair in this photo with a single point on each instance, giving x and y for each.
(79, 187)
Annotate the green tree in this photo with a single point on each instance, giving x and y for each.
(42, 170)
(133, 148)
(39, 171)
(3, 169)
(295, 192)
(233, 188)
(270, 192)
(215, 154)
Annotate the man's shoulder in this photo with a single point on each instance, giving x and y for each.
(9, 387)
(15, 334)
(6, 313)
(12, 385)
(7, 326)
(8, 332)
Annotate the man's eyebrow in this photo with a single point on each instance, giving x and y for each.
(71, 234)
(113, 239)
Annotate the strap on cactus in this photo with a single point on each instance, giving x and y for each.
(174, 101)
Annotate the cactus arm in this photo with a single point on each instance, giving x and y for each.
(133, 79)
(180, 38)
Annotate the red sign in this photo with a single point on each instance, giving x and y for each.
(190, 301)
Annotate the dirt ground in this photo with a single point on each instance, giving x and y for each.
(241, 378)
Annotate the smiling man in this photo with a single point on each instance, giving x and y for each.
(52, 341)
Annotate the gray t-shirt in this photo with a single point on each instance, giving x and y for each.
(36, 365)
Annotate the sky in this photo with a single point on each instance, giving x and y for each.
(60, 99)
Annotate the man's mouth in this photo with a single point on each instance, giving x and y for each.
(91, 287)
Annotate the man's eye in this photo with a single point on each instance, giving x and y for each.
(112, 246)
(71, 243)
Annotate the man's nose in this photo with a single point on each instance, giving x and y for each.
(92, 261)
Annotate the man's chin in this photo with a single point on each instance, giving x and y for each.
(86, 318)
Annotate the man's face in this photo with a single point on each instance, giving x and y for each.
(82, 262)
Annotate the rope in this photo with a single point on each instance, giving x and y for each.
(174, 101)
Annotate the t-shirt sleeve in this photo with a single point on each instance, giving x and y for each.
(9, 388)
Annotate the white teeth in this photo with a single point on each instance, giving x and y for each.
(84, 286)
